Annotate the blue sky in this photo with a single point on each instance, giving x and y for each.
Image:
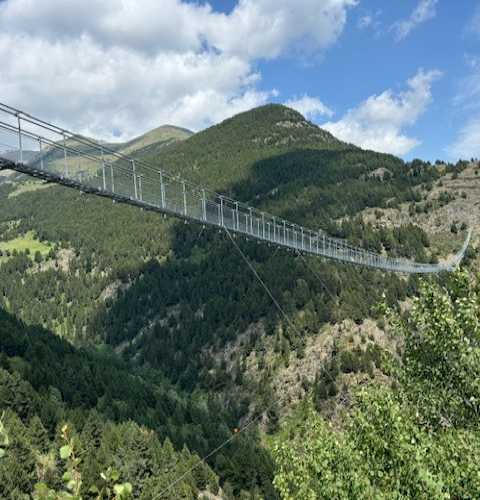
(368, 60)
(400, 77)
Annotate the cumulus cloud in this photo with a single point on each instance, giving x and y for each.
(310, 107)
(99, 66)
(266, 28)
(424, 11)
(379, 122)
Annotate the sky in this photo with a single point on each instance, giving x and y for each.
(396, 77)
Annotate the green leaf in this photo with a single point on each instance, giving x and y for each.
(65, 452)
(115, 475)
(71, 485)
(123, 489)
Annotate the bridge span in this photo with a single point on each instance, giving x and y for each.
(37, 148)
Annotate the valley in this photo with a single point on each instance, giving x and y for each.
(156, 343)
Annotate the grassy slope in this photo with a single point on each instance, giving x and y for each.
(28, 186)
(165, 134)
(26, 242)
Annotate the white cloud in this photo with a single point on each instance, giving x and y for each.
(371, 21)
(468, 92)
(466, 102)
(86, 87)
(467, 143)
(266, 28)
(424, 11)
(99, 66)
(365, 21)
(310, 107)
(379, 122)
(474, 25)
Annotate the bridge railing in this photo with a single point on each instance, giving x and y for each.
(53, 153)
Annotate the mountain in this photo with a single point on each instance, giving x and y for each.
(13, 155)
(157, 138)
(154, 139)
(223, 154)
(176, 306)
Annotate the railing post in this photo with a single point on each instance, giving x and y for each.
(41, 155)
(221, 211)
(113, 181)
(65, 171)
(162, 190)
(140, 187)
(302, 239)
(318, 240)
(263, 225)
(103, 172)
(184, 190)
(237, 216)
(134, 173)
(274, 230)
(20, 144)
(204, 205)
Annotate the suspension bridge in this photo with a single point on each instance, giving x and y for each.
(40, 149)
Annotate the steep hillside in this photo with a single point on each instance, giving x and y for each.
(443, 209)
(179, 300)
(225, 153)
(118, 417)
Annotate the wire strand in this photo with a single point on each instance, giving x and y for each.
(268, 407)
(314, 272)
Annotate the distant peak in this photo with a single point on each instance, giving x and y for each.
(272, 111)
(168, 127)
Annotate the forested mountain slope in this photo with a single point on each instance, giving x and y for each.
(178, 303)
(118, 417)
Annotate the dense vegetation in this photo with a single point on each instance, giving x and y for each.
(129, 419)
(417, 436)
(145, 325)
